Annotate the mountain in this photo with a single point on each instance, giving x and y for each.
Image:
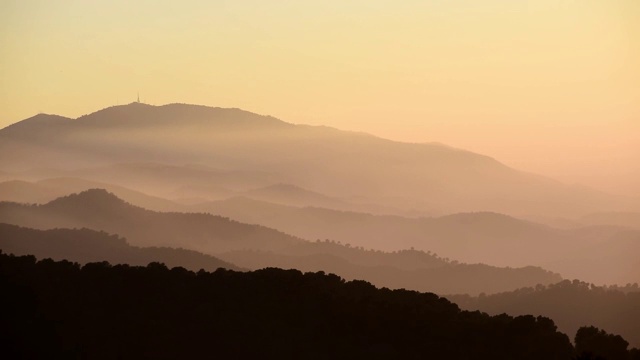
(425, 177)
(100, 210)
(446, 278)
(253, 246)
(571, 304)
(626, 219)
(85, 246)
(600, 254)
(292, 195)
(183, 185)
(47, 190)
(195, 183)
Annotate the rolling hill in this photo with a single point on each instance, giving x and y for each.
(85, 246)
(571, 304)
(253, 246)
(100, 210)
(599, 254)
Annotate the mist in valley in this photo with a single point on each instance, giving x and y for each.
(415, 194)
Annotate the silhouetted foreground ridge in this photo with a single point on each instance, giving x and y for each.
(59, 309)
(571, 304)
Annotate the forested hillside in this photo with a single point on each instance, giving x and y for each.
(62, 310)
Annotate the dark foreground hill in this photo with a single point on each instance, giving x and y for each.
(256, 247)
(570, 305)
(61, 310)
(85, 245)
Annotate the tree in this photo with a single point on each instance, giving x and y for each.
(593, 343)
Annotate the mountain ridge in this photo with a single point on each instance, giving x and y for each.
(427, 177)
(237, 243)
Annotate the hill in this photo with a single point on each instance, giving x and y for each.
(96, 310)
(441, 277)
(46, 190)
(599, 254)
(571, 304)
(253, 246)
(626, 219)
(292, 195)
(426, 177)
(100, 210)
(85, 246)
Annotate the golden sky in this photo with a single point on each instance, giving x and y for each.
(546, 86)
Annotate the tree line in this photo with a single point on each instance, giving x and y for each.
(59, 309)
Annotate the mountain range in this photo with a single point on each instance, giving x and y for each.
(85, 246)
(424, 177)
(599, 253)
(254, 247)
(200, 188)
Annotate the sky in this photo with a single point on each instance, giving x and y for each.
(546, 86)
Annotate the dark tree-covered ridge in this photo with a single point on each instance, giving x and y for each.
(61, 310)
(571, 304)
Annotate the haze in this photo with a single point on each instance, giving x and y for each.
(550, 87)
(320, 179)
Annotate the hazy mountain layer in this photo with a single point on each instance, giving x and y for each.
(426, 177)
(204, 185)
(237, 243)
(84, 246)
(46, 190)
(602, 254)
(626, 219)
(100, 210)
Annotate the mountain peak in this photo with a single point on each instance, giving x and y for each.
(89, 199)
(33, 123)
(140, 114)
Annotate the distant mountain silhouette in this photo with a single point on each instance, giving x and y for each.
(425, 177)
(626, 219)
(570, 305)
(100, 210)
(33, 126)
(253, 246)
(603, 254)
(292, 195)
(84, 246)
(196, 182)
(47, 190)
(199, 185)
